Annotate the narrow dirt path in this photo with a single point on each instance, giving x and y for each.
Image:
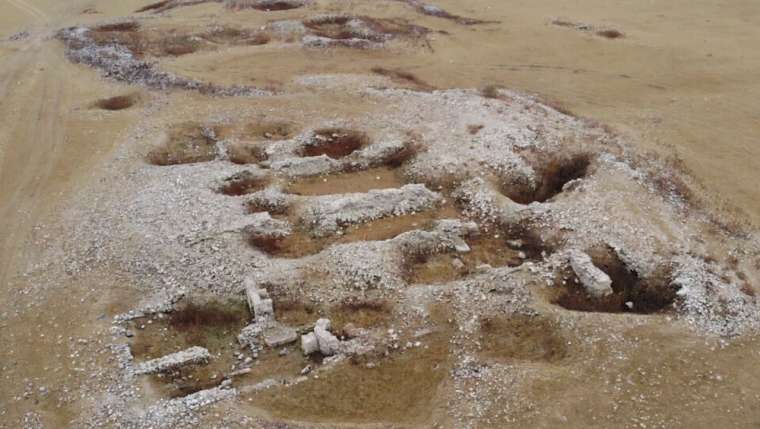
(30, 9)
(31, 142)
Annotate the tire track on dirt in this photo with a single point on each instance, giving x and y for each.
(31, 145)
(30, 9)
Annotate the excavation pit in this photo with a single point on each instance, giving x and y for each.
(147, 42)
(553, 174)
(610, 34)
(295, 245)
(300, 243)
(187, 143)
(173, 42)
(244, 182)
(119, 102)
(211, 324)
(344, 27)
(335, 142)
(356, 181)
(334, 27)
(175, 46)
(401, 389)
(631, 294)
(519, 337)
(246, 152)
(494, 250)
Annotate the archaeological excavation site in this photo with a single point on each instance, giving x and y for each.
(377, 214)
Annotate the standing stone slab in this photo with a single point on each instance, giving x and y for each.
(258, 300)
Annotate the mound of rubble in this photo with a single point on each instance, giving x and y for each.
(115, 60)
(584, 226)
(510, 221)
(128, 51)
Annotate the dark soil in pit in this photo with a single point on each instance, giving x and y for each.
(399, 389)
(213, 325)
(119, 102)
(187, 143)
(610, 34)
(631, 294)
(362, 313)
(335, 143)
(357, 181)
(296, 313)
(244, 182)
(129, 26)
(521, 338)
(554, 173)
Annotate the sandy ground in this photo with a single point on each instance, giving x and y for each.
(681, 82)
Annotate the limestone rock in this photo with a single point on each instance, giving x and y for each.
(596, 282)
(328, 343)
(258, 300)
(264, 227)
(249, 336)
(309, 343)
(192, 356)
(324, 324)
(327, 214)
